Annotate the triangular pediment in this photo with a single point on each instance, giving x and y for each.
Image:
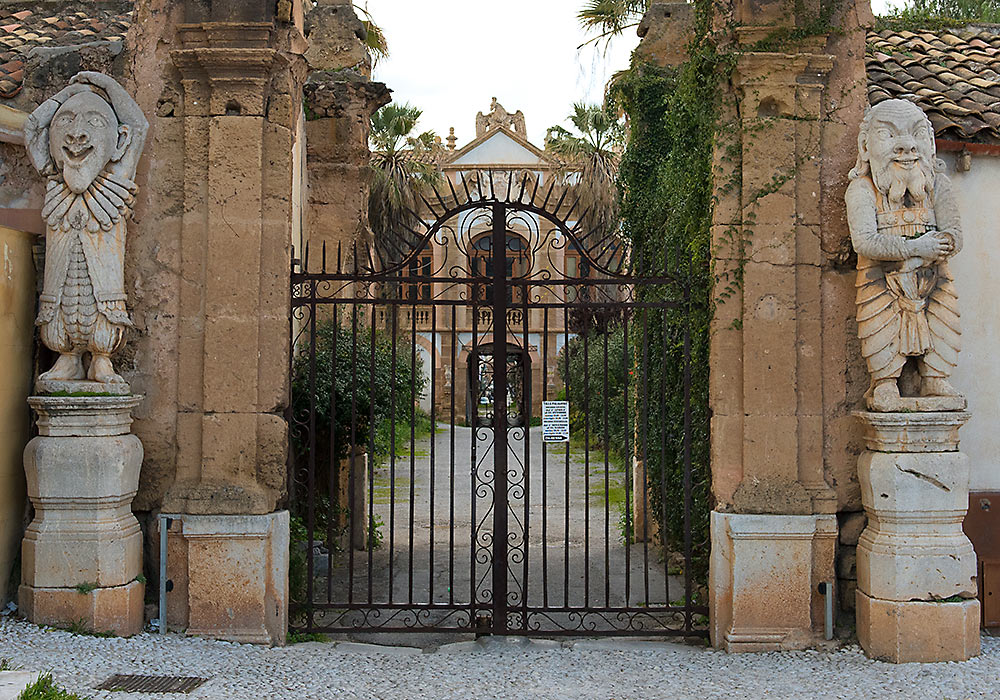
(500, 147)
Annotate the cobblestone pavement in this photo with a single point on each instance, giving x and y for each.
(503, 668)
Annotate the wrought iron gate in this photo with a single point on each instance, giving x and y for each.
(495, 300)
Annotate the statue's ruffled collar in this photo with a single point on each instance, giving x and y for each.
(100, 206)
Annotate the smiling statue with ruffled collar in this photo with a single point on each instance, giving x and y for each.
(86, 140)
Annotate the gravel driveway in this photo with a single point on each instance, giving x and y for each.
(502, 668)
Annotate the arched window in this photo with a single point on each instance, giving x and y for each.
(481, 262)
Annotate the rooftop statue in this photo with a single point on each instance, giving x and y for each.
(905, 226)
(500, 117)
(86, 140)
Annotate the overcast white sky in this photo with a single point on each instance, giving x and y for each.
(451, 57)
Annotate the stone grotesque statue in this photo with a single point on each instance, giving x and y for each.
(905, 226)
(86, 140)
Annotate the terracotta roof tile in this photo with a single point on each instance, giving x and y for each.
(22, 30)
(952, 74)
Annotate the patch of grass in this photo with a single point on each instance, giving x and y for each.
(296, 637)
(86, 587)
(6, 665)
(375, 535)
(141, 579)
(952, 599)
(381, 493)
(46, 689)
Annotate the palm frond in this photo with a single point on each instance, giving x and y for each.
(375, 39)
(611, 17)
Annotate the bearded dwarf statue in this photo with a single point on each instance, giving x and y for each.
(86, 140)
(904, 225)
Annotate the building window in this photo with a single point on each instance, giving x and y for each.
(577, 267)
(419, 267)
(481, 264)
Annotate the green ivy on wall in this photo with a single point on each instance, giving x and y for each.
(667, 200)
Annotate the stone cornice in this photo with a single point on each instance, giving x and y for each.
(226, 34)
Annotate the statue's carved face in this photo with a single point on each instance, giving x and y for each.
(83, 138)
(899, 143)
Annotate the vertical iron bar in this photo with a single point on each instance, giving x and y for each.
(433, 377)
(352, 459)
(392, 451)
(451, 472)
(526, 372)
(645, 454)
(607, 479)
(367, 527)
(628, 456)
(545, 466)
(472, 413)
(586, 464)
(500, 566)
(687, 454)
(662, 423)
(569, 397)
(334, 475)
(413, 438)
(311, 478)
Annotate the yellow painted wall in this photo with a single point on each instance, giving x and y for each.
(17, 306)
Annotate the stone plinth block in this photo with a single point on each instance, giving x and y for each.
(918, 631)
(912, 432)
(116, 609)
(913, 547)
(763, 579)
(82, 473)
(230, 575)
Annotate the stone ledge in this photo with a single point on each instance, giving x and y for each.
(912, 432)
(918, 631)
(118, 609)
(84, 416)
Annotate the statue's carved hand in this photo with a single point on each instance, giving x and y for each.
(932, 246)
(93, 78)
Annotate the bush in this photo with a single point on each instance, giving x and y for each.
(581, 368)
(368, 385)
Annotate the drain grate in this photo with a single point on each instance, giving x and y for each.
(152, 684)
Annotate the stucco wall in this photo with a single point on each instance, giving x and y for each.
(978, 282)
(17, 304)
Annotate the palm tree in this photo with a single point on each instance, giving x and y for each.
(596, 148)
(401, 166)
(611, 17)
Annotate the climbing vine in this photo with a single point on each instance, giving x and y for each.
(667, 191)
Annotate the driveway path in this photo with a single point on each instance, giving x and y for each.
(565, 531)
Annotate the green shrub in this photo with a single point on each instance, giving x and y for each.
(46, 689)
(369, 388)
(597, 403)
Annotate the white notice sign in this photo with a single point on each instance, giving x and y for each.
(555, 421)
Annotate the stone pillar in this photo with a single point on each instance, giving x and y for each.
(916, 598)
(82, 554)
(241, 74)
(774, 530)
(339, 105)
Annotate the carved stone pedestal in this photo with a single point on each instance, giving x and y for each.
(765, 571)
(82, 553)
(230, 576)
(913, 554)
